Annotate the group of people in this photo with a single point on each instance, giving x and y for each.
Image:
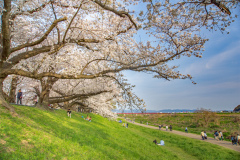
(170, 127)
(218, 135)
(89, 118)
(20, 96)
(161, 142)
(204, 135)
(235, 139)
(125, 125)
(69, 115)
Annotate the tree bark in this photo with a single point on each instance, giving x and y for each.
(44, 95)
(3, 102)
(12, 94)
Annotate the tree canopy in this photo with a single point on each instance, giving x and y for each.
(57, 46)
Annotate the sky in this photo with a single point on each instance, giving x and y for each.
(217, 75)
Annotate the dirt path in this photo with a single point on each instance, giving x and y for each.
(225, 144)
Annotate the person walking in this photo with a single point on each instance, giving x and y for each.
(238, 139)
(186, 130)
(19, 96)
(69, 113)
(127, 125)
(166, 128)
(234, 141)
(202, 134)
(216, 135)
(170, 127)
(205, 135)
(221, 135)
(159, 127)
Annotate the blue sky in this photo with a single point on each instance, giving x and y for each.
(217, 75)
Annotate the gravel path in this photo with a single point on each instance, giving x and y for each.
(225, 144)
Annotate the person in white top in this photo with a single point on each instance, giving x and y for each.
(221, 135)
(166, 128)
(161, 143)
(238, 139)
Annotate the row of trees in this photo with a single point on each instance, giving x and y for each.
(74, 51)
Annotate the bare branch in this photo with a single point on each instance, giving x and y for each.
(119, 13)
(72, 21)
(30, 11)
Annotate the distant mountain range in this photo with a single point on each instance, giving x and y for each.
(157, 111)
(162, 111)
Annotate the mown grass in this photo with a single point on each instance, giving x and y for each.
(39, 134)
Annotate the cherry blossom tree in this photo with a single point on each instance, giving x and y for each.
(50, 40)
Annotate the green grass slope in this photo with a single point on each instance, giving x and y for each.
(39, 134)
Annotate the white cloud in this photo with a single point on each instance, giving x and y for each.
(224, 56)
(204, 66)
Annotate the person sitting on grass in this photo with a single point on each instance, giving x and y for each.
(161, 143)
(155, 141)
(69, 113)
(90, 119)
(87, 118)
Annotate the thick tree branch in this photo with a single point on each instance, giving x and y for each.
(71, 97)
(83, 40)
(78, 103)
(6, 72)
(41, 39)
(28, 54)
(82, 76)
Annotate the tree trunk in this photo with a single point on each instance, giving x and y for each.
(44, 95)
(43, 99)
(12, 93)
(3, 102)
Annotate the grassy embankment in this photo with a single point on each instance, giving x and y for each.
(228, 123)
(39, 134)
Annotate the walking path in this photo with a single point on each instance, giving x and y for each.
(225, 144)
